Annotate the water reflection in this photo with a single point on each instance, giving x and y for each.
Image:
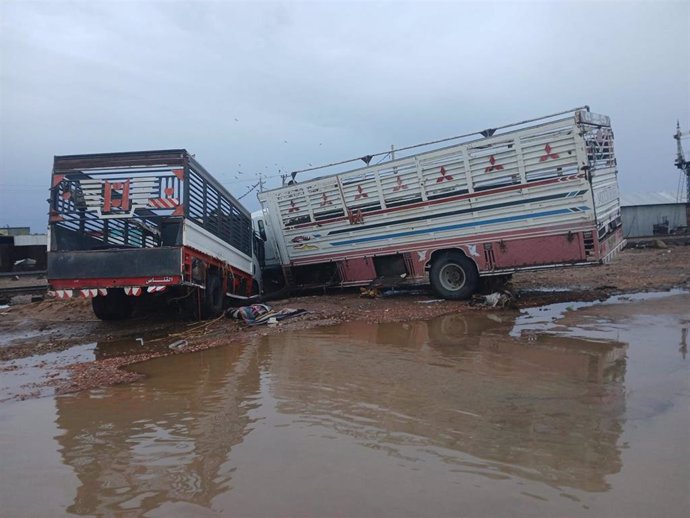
(544, 409)
(457, 389)
(162, 440)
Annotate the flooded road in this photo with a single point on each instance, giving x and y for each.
(564, 410)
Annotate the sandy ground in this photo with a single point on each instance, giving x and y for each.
(53, 326)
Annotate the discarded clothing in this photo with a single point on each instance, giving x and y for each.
(274, 317)
(259, 314)
(249, 314)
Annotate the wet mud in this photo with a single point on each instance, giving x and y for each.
(569, 409)
(37, 340)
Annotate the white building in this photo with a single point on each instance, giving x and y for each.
(641, 213)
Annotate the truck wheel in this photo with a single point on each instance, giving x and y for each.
(213, 297)
(116, 305)
(453, 276)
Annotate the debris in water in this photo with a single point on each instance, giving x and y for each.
(495, 299)
(369, 293)
(394, 292)
(179, 344)
(683, 342)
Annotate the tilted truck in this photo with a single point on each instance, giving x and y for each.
(541, 193)
(152, 224)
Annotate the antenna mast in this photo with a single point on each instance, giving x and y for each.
(681, 163)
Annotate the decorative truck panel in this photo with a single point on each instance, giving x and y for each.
(555, 179)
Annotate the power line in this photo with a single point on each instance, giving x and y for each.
(383, 158)
(250, 189)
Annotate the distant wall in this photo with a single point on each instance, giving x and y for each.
(15, 231)
(639, 220)
(31, 240)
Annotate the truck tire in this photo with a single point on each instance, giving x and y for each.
(213, 297)
(453, 276)
(116, 305)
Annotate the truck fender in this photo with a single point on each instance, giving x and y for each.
(469, 251)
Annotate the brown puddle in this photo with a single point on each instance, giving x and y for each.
(566, 410)
(40, 374)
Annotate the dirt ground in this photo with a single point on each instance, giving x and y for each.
(51, 326)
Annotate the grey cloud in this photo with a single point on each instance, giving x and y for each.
(336, 80)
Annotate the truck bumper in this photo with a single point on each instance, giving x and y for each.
(115, 267)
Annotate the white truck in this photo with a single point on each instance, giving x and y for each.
(541, 193)
(147, 225)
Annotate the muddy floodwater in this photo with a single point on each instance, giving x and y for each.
(564, 410)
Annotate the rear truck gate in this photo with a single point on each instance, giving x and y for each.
(603, 176)
(541, 193)
(151, 223)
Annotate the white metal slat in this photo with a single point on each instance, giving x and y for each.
(292, 207)
(535, 149)
(535, 132)
(362, 193)
(324, 199)
(494, 167)
(404, 183)
(484, 214)
(318, 199)
(427, 166)
(445, 176)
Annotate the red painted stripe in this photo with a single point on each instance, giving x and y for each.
(57, 178)
(163, 203)
(212, 260)
(226, 268)
(102, 283)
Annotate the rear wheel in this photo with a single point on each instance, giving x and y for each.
(213, 297)
(116, 305)
(453, 276)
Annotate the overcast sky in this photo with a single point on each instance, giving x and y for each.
(260, 86)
